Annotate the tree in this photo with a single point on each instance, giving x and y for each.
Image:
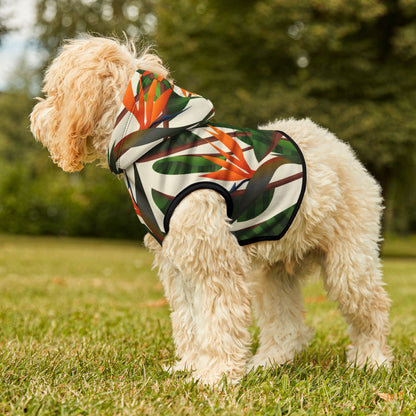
(36, 197)
(350, 66)
(4, 27)
(61, 19)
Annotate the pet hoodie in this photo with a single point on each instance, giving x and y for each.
(166, 148)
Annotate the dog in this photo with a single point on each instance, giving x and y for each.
(213, 280)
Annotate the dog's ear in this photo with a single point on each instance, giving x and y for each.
(82, 89)
(59, 127)
(65, 118)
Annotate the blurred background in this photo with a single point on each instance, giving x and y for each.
(349, 66)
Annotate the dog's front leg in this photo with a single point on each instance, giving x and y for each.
(179, 294)
(278, 307)
(212, 269)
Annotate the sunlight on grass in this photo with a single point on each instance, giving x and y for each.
(84, 330)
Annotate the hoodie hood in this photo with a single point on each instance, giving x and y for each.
(153, 110)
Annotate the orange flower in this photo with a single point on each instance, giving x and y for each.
(147, 111)
(236, 167)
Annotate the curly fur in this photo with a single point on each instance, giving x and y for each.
(210, 281)
(84, 87)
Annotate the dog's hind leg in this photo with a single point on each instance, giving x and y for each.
(352, 277)
(278, 306)
(213, 267)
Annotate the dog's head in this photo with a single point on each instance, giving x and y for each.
(83, 88)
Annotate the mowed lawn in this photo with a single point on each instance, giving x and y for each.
(84, 329)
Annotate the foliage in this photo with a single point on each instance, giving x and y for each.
(343, 64)
(4, 27)
(350, 66)
(84, 330)
(38, 198)
(395, 246)
(61, 19)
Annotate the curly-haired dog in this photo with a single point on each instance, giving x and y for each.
(243, 227)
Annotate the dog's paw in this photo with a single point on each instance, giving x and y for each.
(282, 352)
(181, 365)
(268, 361)
(370, 358)
(215, 379)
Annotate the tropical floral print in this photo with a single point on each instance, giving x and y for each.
(166, 148)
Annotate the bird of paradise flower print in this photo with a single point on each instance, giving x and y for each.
(147, 106)
(167, 149)
(235, 166)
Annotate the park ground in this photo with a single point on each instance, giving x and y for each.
(84, 330)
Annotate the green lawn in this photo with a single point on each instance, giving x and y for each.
(84, 330)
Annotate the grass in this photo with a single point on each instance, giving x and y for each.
(84, 330)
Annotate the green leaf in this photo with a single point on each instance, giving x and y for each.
(161, 200)
(177, 103)
(256, 207)
(272, 227)
(182, 165)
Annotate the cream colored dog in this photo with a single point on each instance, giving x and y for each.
(210, 281)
